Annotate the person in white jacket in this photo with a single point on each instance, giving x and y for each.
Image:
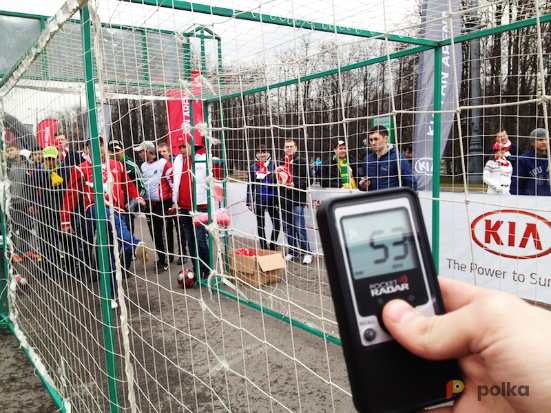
(498, 171)
(185, 200)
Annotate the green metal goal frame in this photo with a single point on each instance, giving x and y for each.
(417, 46)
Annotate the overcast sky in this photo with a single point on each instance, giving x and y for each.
(42, 7)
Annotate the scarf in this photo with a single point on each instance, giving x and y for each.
(262, 167)
(347, 180)
(507, 147)
(55, 178)
(64, 153)
(289, 169)
(502, 160)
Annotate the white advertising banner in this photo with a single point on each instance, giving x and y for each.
(510, 248)
(510, 245)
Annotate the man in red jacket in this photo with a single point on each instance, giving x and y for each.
(81, 181)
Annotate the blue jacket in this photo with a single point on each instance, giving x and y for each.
(383, 172)
(531, 175)
(260, 190)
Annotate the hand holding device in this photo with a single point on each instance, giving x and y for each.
(500, 340)
(376, 250)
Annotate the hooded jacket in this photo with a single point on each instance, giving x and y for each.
(18, 174)
(383, 171)
(531, 175)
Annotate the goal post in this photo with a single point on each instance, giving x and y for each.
(241, 118)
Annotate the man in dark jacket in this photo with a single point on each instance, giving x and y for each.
(67, 156)
(262, 196)
(49, 184)
(531, 170)
(385, 166)
(340, 171)
(292, 175)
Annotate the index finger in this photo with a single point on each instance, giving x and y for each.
(457, 294)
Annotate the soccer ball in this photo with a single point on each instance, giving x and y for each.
(22, 282)
(186, 278)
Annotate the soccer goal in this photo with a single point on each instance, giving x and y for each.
(206, 138)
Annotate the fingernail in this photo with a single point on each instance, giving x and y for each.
(400, 311)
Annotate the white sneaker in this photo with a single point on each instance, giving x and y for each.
(114, 304)
(307, 259)
(289, 257)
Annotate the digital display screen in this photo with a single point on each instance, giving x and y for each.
(380, 242)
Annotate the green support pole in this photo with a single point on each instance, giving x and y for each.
(145, 56)
(436, 157)
(101, 216)
(206, 143)
(4, 285)
(223, 149)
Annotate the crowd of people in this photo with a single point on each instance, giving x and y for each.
(54, 186)
(510, 173)
(52, 191)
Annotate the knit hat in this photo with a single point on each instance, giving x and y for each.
(538, 133)
(498, 146)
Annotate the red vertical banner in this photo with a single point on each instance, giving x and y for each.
(45, 132)
(179, 113)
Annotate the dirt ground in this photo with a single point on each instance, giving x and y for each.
(20, 388)
(191, 351)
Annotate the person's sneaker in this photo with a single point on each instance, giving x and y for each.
(17, 258)
(181, 260)
(114, 304)
(141, 253)
(289, 257)
(307, 259)
(32, 255)
(161, 266)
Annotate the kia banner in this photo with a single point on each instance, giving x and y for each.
(505, 248)
(500, 248)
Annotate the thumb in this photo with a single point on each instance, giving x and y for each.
(436, 338)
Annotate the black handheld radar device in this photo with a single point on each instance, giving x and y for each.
(376, 249)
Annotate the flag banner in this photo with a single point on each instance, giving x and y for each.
(437, 27)
(179, 113)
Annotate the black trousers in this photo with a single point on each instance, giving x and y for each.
(161, 228)
(21, 224)
(271, 206)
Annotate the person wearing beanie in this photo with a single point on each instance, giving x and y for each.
(498, 171)
(531, 171)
